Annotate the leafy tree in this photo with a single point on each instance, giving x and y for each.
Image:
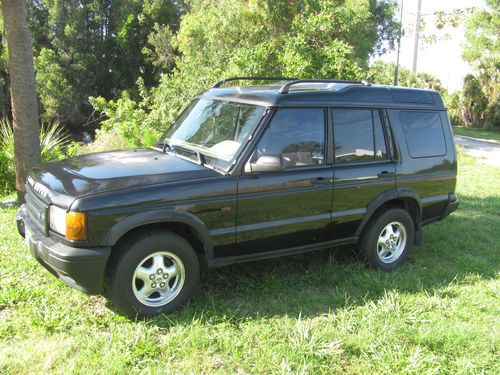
(317, 38)
(381, 72)
(216, 39)
(454, 108)
(93, 47)
(482, 31)
(474, 102)
(481, 95)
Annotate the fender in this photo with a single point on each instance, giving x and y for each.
(163, 216)
(385, 197)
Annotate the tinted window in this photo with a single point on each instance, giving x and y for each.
(297, 135)
(358, 136)
(424, 134)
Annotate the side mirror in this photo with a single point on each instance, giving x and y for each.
(265, 163)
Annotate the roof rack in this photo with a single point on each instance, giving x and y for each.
(220, 83)
(286, 87)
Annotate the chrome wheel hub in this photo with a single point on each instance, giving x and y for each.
(391, 242)
(158, 278)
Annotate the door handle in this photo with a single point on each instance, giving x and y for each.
(385, 174)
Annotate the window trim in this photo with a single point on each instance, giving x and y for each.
(393, 147)
(266, 126)
(380, 111)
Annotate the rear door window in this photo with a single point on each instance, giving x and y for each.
(424, 133)
(358, 136)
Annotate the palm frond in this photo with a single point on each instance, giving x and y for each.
(52, 136)
(6, 138)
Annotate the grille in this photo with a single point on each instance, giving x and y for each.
(37, 211)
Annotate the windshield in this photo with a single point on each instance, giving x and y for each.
(214, 130)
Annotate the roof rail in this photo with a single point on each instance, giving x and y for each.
(220, 83)
(286, 87)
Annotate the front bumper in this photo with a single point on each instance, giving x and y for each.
(80, 268)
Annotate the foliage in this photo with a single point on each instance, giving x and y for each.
(126, 124)
(482, 34)
(54, 140)
(291, 38)
(93, 48)
(7, 166)
(383, 73)
(454, 107)
(312, 39)
(54, 143)
(60, 99)
(320, 313)
(445, 24)
(474, 102)
(481, 95)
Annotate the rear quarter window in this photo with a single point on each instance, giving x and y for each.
(424, 133)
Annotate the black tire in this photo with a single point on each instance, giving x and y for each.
(123, 286)
(369, 241)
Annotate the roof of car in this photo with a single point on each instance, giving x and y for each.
(322, 93)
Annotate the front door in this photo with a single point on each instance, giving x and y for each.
(288, 205)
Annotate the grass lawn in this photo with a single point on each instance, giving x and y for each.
(324, 312)
(477, 133)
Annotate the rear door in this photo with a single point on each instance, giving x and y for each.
(289, 207)
(363, 168)
(428, 161)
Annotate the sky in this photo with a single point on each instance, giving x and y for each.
(442, 58)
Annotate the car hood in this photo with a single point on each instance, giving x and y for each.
(106, 171)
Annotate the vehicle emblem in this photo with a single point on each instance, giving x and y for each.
(41, 189)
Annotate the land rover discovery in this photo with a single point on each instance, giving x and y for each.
(246, 173)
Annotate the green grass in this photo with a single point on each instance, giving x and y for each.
(324, 312)
(477, 133)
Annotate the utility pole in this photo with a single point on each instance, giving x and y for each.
(396, 71)
(417, 32)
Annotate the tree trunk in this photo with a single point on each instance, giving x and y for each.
(23, 91)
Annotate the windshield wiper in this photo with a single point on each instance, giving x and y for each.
(167, 146)
(164, 146)
(201, 158)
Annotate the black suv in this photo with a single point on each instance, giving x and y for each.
(246, 173)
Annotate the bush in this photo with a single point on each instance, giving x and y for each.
(7, 165)
(128, 124)
(54, 143)
(454, 108)
(383, 73)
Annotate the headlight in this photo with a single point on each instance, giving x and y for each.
(57, 219)
(72, 225)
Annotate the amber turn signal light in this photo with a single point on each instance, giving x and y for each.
(76, 226)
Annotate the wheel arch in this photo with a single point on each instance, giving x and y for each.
(183, 223)
(406, 199)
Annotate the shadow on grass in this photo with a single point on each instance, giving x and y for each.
(459, 249)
